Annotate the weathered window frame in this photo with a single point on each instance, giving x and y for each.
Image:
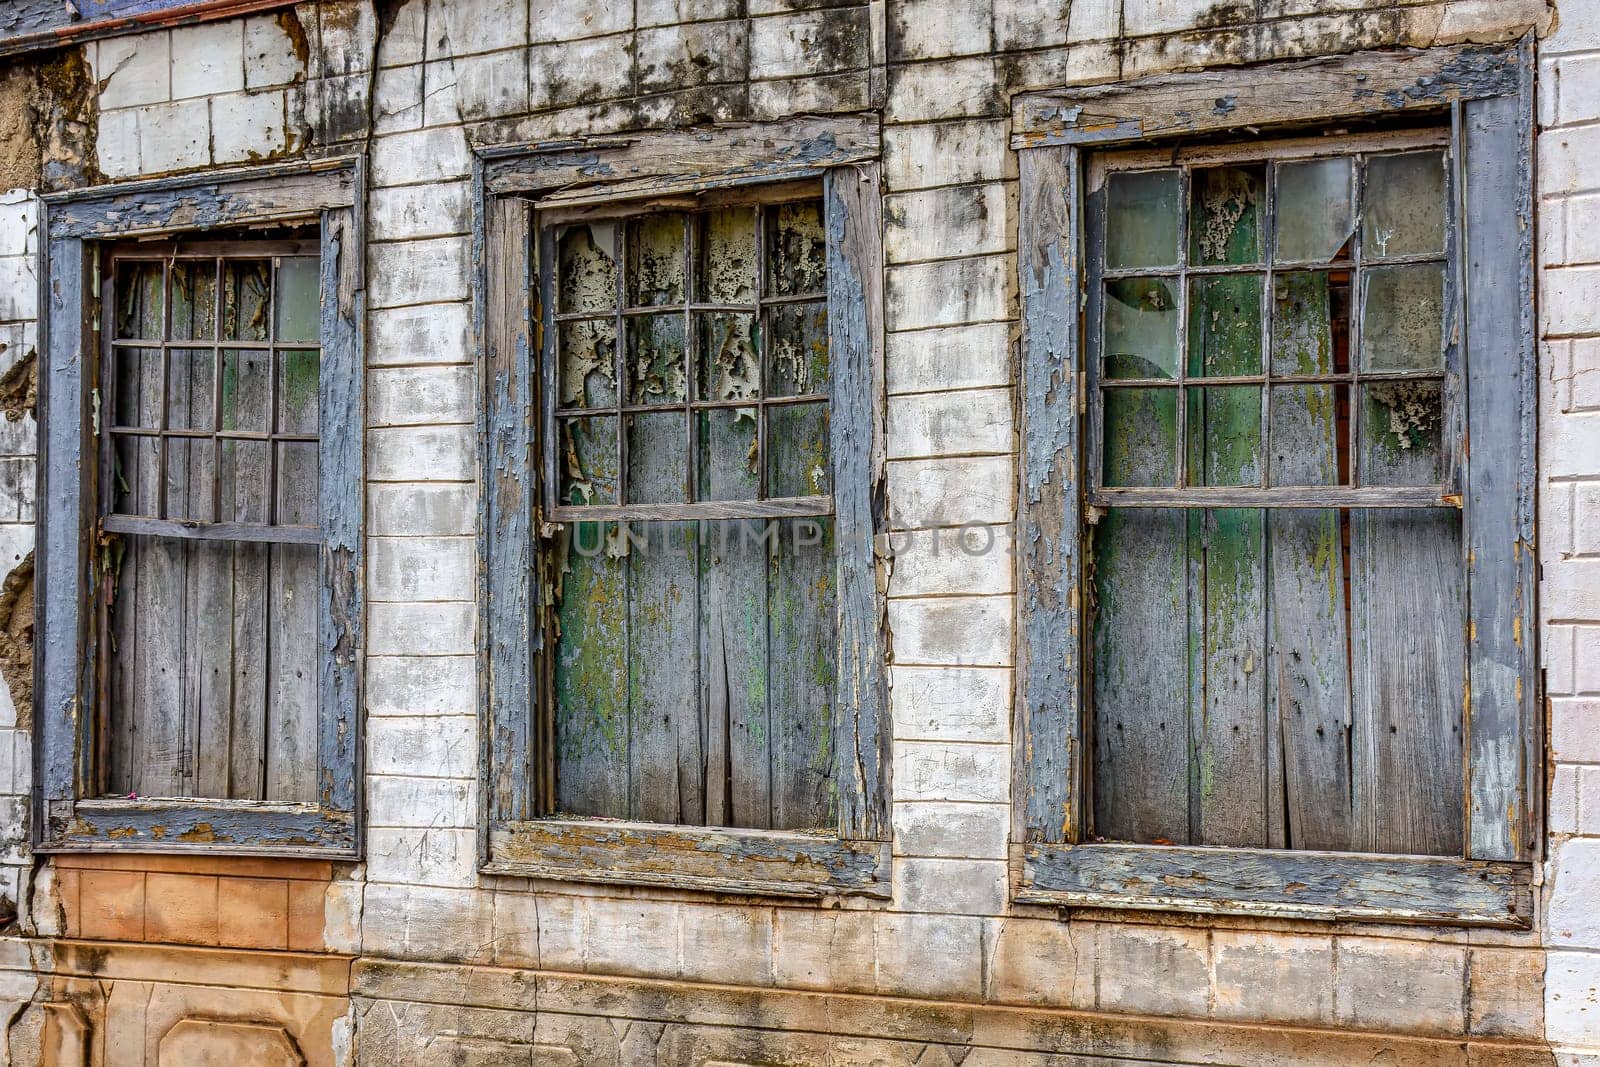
(513, 182)
(1485, 95)
(327, 192)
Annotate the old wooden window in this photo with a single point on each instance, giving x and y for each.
(698, 653)
(216, 619)
(1301, 640)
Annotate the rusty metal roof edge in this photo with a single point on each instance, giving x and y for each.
(170, 13)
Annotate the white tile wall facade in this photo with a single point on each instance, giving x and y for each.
(444, 74)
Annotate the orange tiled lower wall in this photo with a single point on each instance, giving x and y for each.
(230, 903)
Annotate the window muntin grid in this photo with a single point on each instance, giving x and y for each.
(1149, 253)
(713, 322)
(212, 353)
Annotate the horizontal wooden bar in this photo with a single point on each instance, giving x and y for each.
(1362, 84)
(669, 161)
(212, 531)
(254, 195)
(196, 825)
(1288, 496)
(1311, 885)
(645, 310)
(768, 862)
(778, 508)
(1261, 267)
(1346, 378)
(208, 249)
(693, 405)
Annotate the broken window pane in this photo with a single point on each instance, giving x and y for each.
(243, 481)
(1225, 214)
(586, 267)
(1305, 435)
(655, 260)
(1310, 322)
(1142, 219)
(246, 299)
(1315, 216)
(136, 399)
(727, 260)
(728, 461)
(1141, 437)
(1225, 325)
(246, 391)
(657, 373)
(299, 377)
(1402, 318)
(1141, 328)
(658, 457)
(1403, 208)
(1402, 440)
(588, 460)
(798, 349)
(729, 367)
(587, 363)
(1224, 427)
(139, 302)
(296, 499)
(190, 397)
(797, 249)
(299, 300)
(194, 300)
(797, 450)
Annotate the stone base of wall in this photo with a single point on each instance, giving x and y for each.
(112, 1004)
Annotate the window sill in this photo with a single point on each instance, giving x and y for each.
(1281, 884)
(233, 827)
(762, 862)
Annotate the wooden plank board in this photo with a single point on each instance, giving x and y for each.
(801, 637)
(1325, 89)
(1504, 708)
(592, 729)
(1316, 885)
(1049, 767)
(256, 195)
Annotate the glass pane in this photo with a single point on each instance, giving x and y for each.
(1402, 318)
(246, 391)
(1225, 325)
(1141, 437)
(299, 372)
(1225, 435)
(139, 311)
(1142, 219)
(658, 457)
(728, 460)
(1315, 216)
(655, 260)
(1311, 322)
(1404, 207)
(729, 368)
(1141, 328)
(1306, 435)
(797, 450)
(246, 295)
(798, 349)
(299, 298)
(297, 483)
(136, 399)
(194, 300)
(1402, 433)
(243, 478)
(191, 398)
(1225, 214)
(587, 362)
(797, 249)
(588, 461)
(191, 478)
(727, 270)
(657, 371)
(586, 267)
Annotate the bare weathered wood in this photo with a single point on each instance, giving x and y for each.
(1323, 90)
(681, 160)
(751, 861)
(512, 642)
(773, 508)
(188, 529)
(187, 825)
(1282, 496)
(1048, 768)
(855, 342)
(1503, 704)
(1318, 885)
(272, 194)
